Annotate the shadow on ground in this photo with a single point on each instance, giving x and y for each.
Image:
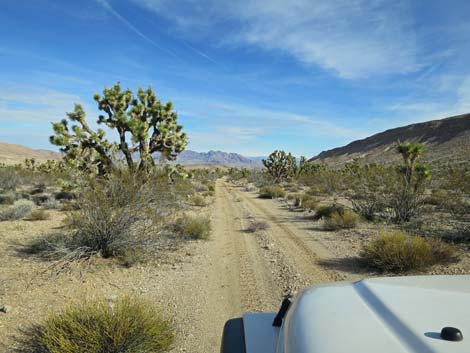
(346, 264)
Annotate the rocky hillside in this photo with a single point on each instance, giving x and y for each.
(446, 140)
(189, 157)
(12, 154)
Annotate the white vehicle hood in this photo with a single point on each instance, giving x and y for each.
(386, 315)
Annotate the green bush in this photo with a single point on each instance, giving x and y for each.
(18, 210)
(399, 252)
(193, 227)
(271, 192)
(345, 219)
(127, 325)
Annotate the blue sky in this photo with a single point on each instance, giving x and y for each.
(245, 76)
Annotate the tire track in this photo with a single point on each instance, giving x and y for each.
(258, 289)
(303, 257)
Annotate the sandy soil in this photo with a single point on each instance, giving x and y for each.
(201, 284)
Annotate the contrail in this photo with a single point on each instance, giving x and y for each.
(116, 14)
(200, 53)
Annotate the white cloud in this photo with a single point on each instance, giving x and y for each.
(34, 104)
(353, 38)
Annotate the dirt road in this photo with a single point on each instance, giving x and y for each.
(252, 271)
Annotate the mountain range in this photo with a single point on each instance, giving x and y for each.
(445, 140)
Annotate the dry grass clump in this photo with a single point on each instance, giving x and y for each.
(344, 219)
(198, 200)
(18, 210)
(256, 226)
(38, 215)
(399, 252)
(193, 227)
(271, 192)
(127, 325)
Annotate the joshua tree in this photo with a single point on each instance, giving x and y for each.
(413, 175)
(151, 125)
(280, 165)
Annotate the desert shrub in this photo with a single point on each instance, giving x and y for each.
(52, 204)
(65, 195)
(399, 252)
(271, 192)
(127, 325)
(121, 212)
(198, 200)
(38, 189)
(341, 220)
(325, 211)
(50, 246)
(443, 252)
(438, 197)
(368, 187)
(18, 210)
(256, 226)
(7, 198)
(193, 227)
(307, 202)
(9, 178)
(301, 198)
(40, 199)
(38, 215)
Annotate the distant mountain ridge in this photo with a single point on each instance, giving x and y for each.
(12, 153)
(189, 157)
(445, 140)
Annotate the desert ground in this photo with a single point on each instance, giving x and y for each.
(200, 284)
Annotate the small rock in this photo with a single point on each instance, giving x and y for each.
(5, 308)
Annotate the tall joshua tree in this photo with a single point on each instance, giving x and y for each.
(280, 165)
(144, 125)
(413, 175)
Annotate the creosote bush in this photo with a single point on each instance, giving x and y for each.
(198, 227)
(271, 192)
(18, 210)
(127, 325)
(344, 219)
(399, 252)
